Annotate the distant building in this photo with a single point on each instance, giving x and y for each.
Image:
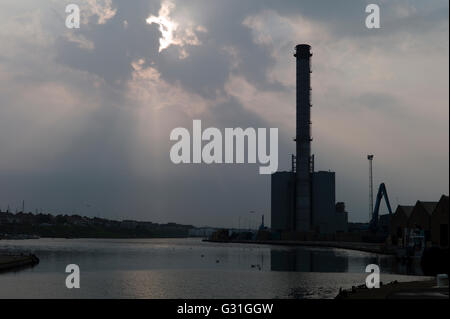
(221, 234)
(323, 202)
(341, 218)
(327, 217)
(283, 201)
(201, 232)
(439, 223)
(357, 227)
(3, 218)
(128, 224)
(303, 202)
(399, 222)
(383, 223)
(421, 217)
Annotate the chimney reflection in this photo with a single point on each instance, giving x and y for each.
(304, 260)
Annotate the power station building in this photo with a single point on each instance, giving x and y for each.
(304, 200)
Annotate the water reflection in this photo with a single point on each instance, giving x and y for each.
(307, 261)
(117, 255)
(189, 268)
(303, 259)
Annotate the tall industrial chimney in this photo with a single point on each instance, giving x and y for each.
(303, 139)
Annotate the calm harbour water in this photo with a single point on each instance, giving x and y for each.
(189, 268)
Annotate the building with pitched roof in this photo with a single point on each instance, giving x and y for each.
(421, 217)
(439, 223)
(399, 221)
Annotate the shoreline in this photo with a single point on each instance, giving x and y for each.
(89, 237)
(423, 289)
(358, 246)
(16, 262)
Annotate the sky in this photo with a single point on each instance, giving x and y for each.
(86, 114)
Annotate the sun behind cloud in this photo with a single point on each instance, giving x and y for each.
(171, 34)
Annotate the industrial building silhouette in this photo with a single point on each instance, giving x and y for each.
(302, 200)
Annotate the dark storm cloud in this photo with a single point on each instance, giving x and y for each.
(116, 46)
(204, 71)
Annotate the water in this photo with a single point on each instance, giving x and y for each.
(189, 268)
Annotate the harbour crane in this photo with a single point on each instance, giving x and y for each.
(373, 225)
